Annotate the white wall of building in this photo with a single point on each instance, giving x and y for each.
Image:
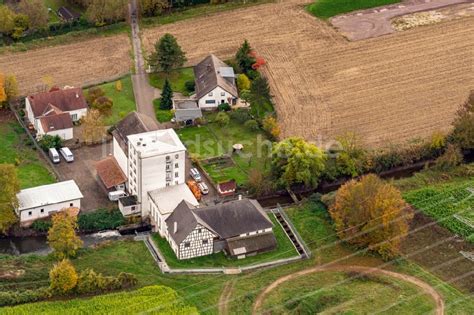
(153, 172)
(129, 210)
(200, 242)
(78, 114)
(29, 112)
(120, 156)
(65, 134)
(218, 96)
(32, 214)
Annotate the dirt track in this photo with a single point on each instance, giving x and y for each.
(388, 89)
(85, 62)
(426, 288)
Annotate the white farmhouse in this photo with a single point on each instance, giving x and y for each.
(215, 83)
(240, 228)
(156, 160)
(54, 112)
(40, 202)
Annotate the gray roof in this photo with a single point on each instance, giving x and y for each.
(168, 198)
(227, 220)
(208, 76)
(48, 195)
(185, 104)
(187, 114)
(132, 124)
(256, 243)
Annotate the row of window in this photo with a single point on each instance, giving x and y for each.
(30, 213)
(210, 94)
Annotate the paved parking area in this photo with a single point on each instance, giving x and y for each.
(377, 21)
(82, 170)
(212, 197)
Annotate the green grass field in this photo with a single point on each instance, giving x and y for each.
(124, 101)
(344, 293)
(162, 115)
(285, 249)
(328, 8)
(442, 202)
(213, 140)
(153, 299)
(177, 79)
(31, 170)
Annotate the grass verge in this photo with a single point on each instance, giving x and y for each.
(328, 8)
(162, 115)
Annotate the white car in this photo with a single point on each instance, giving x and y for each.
(195, 174)
(203, 187)
(67, 154)
(54, 155)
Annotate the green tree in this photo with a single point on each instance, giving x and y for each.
(463, 131)
(243, 82)
(244, 58)
(104, 105)
(62, 235)
(295, 161)
(222, 119)
(371, 213)
(350, 159)
(7, 20)
(22, 23)
(271, 127)
(168, 54)
(36, 11)
(63, 277)
(153, 7)
(48, 141)
(9, 187)
(166, 100)
(260, 98)
(102, 12)
(251, 124)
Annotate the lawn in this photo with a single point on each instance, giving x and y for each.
(213, 140)
(450, 204)
(342, 293)
(285, 249)
(328, 8)
(124, 101)
(177, 79)
(17, 149)
(162, 115)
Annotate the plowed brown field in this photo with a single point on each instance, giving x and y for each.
(392, 88)
(76, 64)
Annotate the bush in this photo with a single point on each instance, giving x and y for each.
(41, 225)
(451, 158)
(240, 115)
(222, 119)
(101, 219)
(91, 282)
(48, 142)
(63, 277)
(190, 86)
(271, 127)
(28, 296)
(251, 124)
(225, 107)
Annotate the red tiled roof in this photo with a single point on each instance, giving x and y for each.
(66, 100)
(227, 188)
(110, 172)
(54, 122)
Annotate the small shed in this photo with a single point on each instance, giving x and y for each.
(186, 111)
(68, 15)
(110, 174)
(227, 188)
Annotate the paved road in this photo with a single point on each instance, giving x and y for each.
(377, 21)
(143, 91)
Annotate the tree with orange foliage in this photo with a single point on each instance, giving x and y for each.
(371, 213)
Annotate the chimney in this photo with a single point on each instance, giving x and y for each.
(175, 229)
(240, 197)
(77, 95)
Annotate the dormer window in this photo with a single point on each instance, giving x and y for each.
(210, 94)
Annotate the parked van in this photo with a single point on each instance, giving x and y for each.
(116, 195)
(195, 174)
(54, 155)
(194, 189)
(67, 154)
(203, 187)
